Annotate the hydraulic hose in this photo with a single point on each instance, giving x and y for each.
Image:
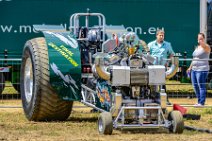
(198, 129)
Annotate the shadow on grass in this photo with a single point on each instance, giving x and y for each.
(70, 119)
(146, 131)
(82, 119)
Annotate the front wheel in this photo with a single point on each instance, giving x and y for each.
(40, 101)
(105, 123)
(177, 123)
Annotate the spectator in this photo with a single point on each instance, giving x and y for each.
(199, 69)
(161, 50)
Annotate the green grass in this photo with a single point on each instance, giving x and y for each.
(174, 86)
(82, 125)
(9, 89)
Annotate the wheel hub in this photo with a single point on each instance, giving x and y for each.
(100, 125)
(28, 80)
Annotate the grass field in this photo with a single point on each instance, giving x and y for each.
(81, 125)
(9, 88)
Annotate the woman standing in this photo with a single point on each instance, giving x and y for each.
(199, 69)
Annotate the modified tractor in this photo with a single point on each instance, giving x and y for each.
(103, 67)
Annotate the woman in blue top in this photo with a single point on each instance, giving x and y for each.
(199, 69)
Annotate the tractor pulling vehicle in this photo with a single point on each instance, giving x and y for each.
(103, 67)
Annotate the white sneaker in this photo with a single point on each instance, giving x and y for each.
(196, 104)
(199, 105)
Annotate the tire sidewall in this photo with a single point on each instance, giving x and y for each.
(174, 119)
(29, 107)
(107, 123)
(174, 125)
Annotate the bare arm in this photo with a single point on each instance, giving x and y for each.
(206, 47)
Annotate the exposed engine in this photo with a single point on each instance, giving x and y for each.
(128, 71)
(118, 70)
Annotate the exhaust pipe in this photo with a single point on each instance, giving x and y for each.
(174, 67)
(100, 69)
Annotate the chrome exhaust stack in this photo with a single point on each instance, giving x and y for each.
(174, 67)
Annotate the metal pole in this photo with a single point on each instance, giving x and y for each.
(203, 17)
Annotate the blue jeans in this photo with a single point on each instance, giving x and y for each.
(198, 79)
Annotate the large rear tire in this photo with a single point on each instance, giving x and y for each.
(2, 82)
(40, 102)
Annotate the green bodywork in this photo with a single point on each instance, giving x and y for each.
(64, 63)
(104, 95)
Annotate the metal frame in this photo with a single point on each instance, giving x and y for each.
(87, 93)
(117, 124)
(10, 59)
(203, 17)
(161, 122)
(74, 21)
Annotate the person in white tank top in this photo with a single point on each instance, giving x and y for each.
(199, 69)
